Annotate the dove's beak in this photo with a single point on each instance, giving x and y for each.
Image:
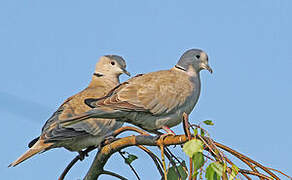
(126, 72)
(207, 67)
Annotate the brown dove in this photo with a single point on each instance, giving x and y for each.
(87, 133)
(155, 100)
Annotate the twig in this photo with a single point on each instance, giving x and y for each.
(231, 163)
(163, 160)
(169, 157)
(72, 163)
(167, 149)
(188, 134)
(243, 171)
(279, 172)
(114, 175)
(241, 156)
(105, 152)
(115, 133)
(69, 166)
(129, 128)
(156, 160)
(132, 168)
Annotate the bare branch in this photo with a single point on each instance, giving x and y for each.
(132, 168)
(111, 147)
(72, 163)
(156, 160)
(241, 157)
(243, 171)
(114, 175)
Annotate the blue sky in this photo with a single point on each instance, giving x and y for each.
(49, 49)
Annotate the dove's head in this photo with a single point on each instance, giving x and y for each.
(193, 61)
(111, 65)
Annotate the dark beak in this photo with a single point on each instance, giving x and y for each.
(209, 69)
(126, 72)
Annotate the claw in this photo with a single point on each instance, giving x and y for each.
(169, 132)
(82, 155)
(109, 138)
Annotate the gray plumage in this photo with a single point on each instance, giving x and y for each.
(90, 132)
(155, 100)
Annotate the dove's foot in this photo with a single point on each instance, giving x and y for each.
(169, 132)
(106, 140)
(82, 155)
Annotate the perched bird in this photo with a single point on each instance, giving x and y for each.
(87, 133)
(155, 100)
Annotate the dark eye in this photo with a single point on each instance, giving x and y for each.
(113, 63)
(198, 56)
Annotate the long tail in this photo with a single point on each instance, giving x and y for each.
(36, 148)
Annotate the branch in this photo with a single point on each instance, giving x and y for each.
(72, 163)
(114, 175)
(111, 147)
(105, 152)
(132, 168)
(156, 160)
(242, 157)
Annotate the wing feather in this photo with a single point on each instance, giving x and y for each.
(156, 92)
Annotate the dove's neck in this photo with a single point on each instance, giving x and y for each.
(99, 79)
(190, 72)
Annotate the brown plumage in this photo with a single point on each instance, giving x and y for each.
(87, 133)
(155, 100)
(150, 94)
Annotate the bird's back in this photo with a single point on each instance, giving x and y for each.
(53, 132)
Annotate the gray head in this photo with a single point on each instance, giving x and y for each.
(194, 59)
(111, 65)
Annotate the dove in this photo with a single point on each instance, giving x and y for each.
(155, 100)
(87, 133)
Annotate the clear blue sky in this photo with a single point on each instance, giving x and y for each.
(49, 49)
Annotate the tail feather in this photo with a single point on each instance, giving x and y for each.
(36, 148)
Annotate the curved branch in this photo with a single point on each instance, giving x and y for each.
(132, 168)
(72, 163)
(156, 160)
(129, 128)
(67, 169)
(243, 171)
(105, 152)
(114, 175)
(115, 133)
(241, 156)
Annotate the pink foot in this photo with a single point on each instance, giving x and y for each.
(169, 132)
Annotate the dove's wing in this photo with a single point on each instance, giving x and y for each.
(158, 92)
(73, 106)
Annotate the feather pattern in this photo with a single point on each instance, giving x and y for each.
(158, 92)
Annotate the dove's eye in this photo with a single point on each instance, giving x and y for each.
(198, 56)
(113, 63)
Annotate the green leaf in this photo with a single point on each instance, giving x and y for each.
(198, 161)
(218, 168)
(208, 122)
(172, 174)
(214, 171)
(193, 146)
(234, 172)
(202, 132)
(195, 131)
(130, 158)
